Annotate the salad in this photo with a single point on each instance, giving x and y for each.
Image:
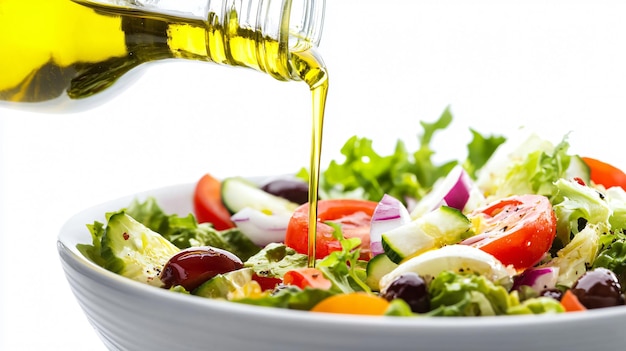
(513, 228)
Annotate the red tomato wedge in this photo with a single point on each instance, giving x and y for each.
(353, 215)
(207, 203)
(303, 277)
(605, 174)
(517, 230)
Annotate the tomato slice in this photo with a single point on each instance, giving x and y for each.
(353, 215)
(307, 277)
(517, 230)
(207, 203)
(605, 174)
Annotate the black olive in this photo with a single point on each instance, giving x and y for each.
(411, 288)
(294, 190)
(193, 266)
(598, 288)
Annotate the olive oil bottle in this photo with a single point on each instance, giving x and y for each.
(55, 53)
(55, 50)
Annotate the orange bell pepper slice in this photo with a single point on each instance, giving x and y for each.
(570, 302)
(353, 303)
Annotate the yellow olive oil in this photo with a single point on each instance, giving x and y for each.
(52, 48)
(70, 50)
(314, 73)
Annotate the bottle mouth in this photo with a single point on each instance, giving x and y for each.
(306, 20)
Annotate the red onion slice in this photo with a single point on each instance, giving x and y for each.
(538, 278)
(260, 227)
(454, 190)
(390, 213)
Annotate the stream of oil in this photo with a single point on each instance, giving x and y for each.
(314, 73)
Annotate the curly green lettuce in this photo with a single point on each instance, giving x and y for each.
(576, 206)
(612, 255)
(275, 259)
(404, 174)
(467, 295)
(343, 268)
(157, 237)
(474, 295)
(186, 232)
(531, 167)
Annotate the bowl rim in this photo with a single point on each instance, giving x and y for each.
(74, 231)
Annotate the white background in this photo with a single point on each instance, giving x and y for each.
(557, 66)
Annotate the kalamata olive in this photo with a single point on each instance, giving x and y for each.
(193, 266)
(598, 288)
(411, 288)
(294, 190)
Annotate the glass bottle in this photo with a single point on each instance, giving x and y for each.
(55, 53)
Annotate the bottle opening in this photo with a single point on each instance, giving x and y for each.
(306, 21)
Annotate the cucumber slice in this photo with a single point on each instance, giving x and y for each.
(378, 267)
(223, 284)
(578, 168)
(239, 193)
(133, 250)
(442, 226)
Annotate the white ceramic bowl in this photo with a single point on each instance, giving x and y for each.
(128, 315)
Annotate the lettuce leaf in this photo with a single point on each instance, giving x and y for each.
(93, 251)
(613, 255)
(343, 268)
(577, 205)
(186, 232)
(183, 232)
(275, 259)
(399, 308)
(479, 151)
(465, 295)
(289, 297)
(405, 175)
(527, 167)
(468, 295)
(578, 255)
(616, 199)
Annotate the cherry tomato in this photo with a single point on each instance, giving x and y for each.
(517, 230)
(353, 303)
(605, 174)
(207, 203)
(353, 215)
(303, 277)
